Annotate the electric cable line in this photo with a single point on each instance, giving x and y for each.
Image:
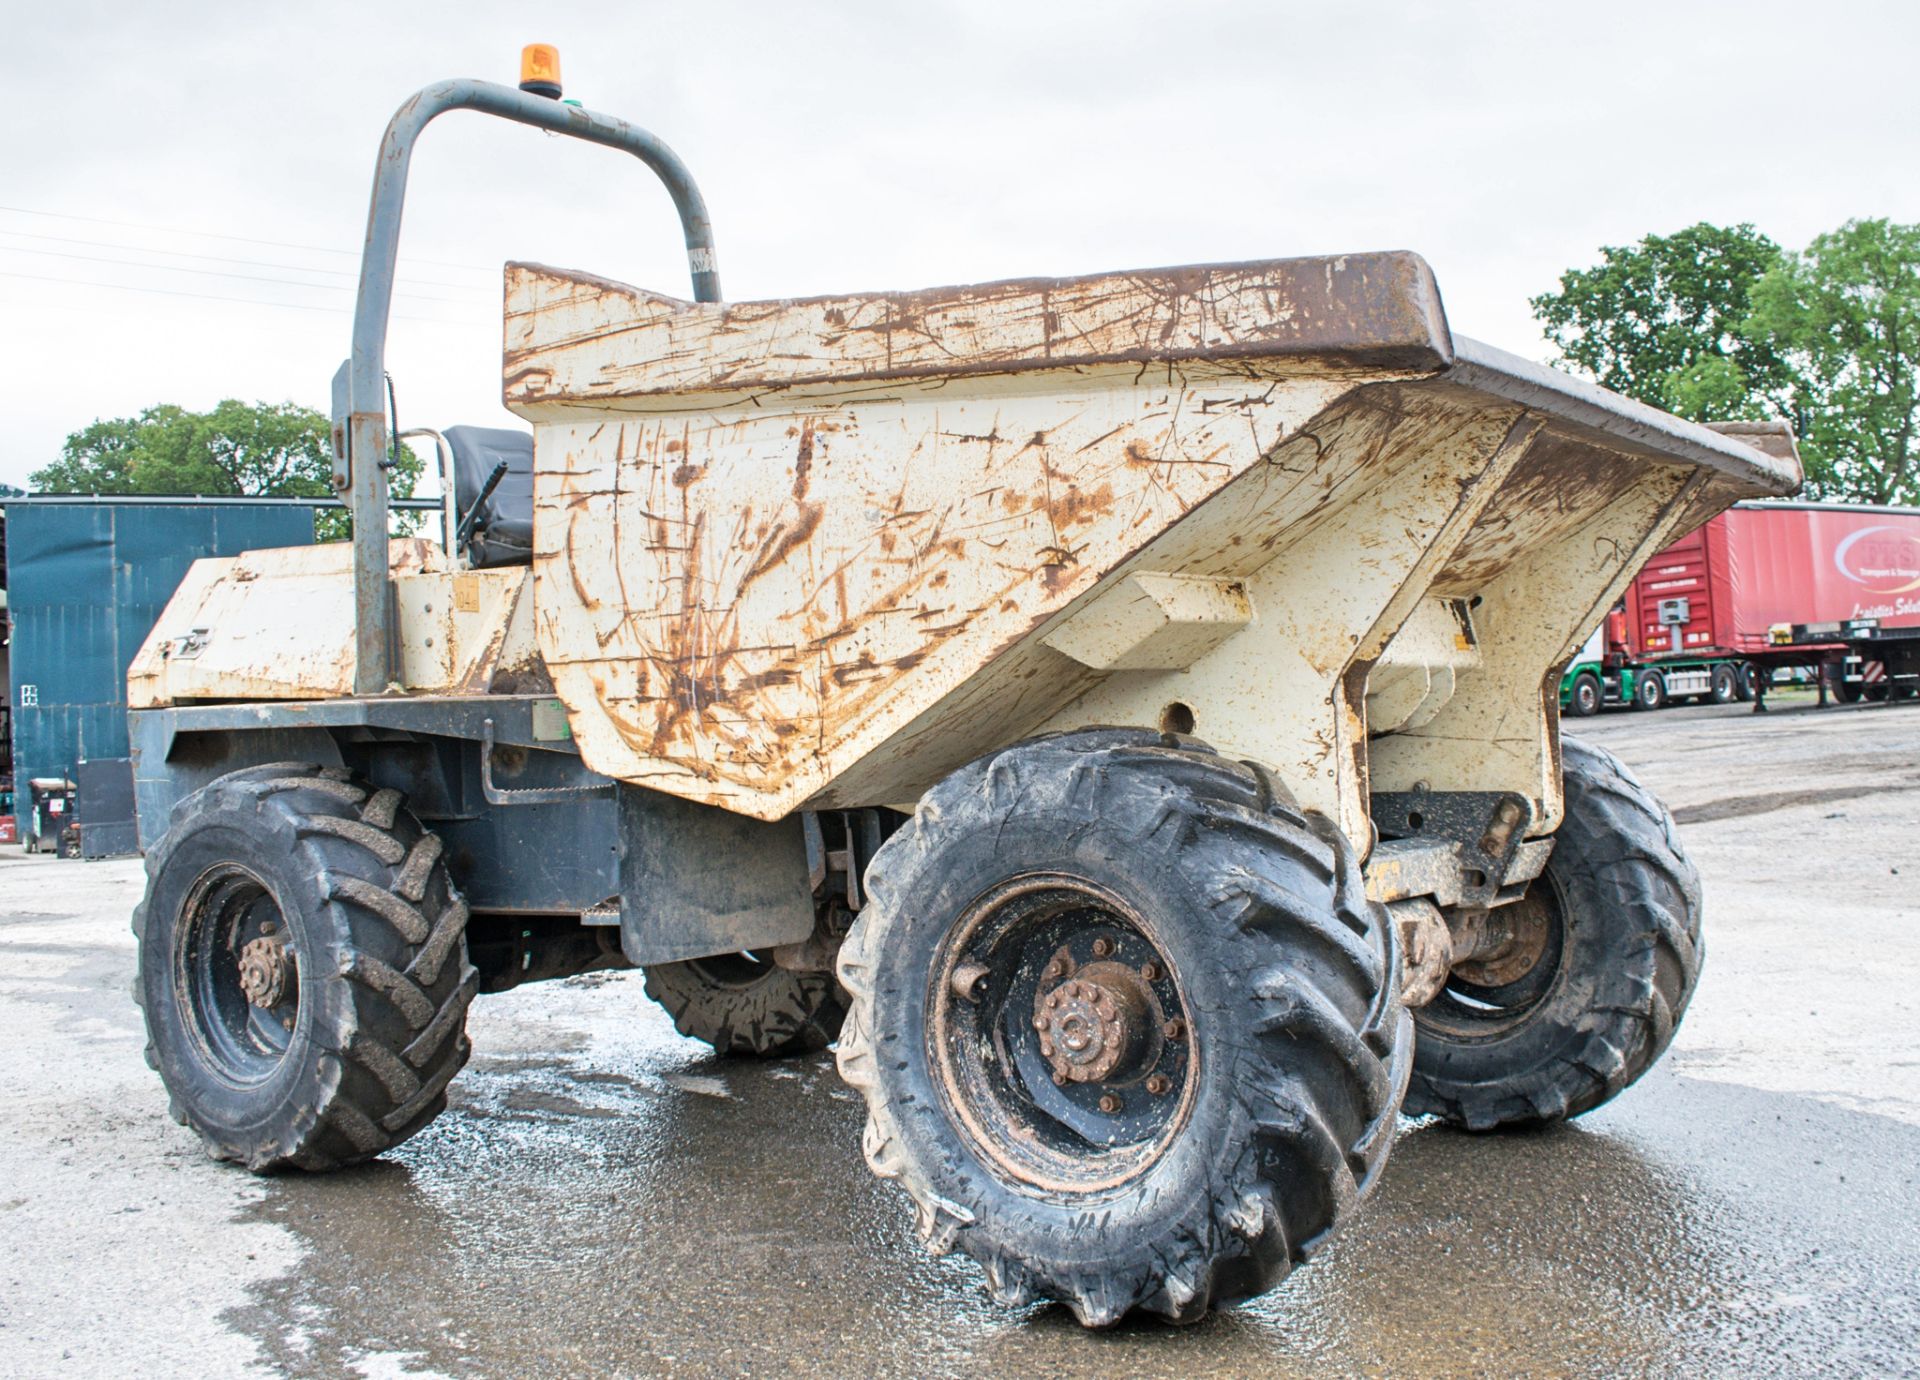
(218, 273)
(216, 258)
(217, 235)
(215, 297)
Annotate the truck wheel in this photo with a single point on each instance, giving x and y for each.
(1649, 690)
(1726, 685)
(1592, 1000)
(1584, 699)
(303, 968)
(1743, 682)
(1128, 1029)
(745, 1004)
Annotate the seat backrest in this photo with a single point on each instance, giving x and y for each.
(503, 532)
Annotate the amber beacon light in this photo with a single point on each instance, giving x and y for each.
(540, 70)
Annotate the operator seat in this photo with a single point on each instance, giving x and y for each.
(503, 531)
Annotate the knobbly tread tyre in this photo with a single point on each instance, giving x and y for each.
(1303, 1060)
(1625, 981)
(382, 969)
(777, 1014)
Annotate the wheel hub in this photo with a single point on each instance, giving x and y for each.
(266, 967)
(1063, 1047)
(1094, 1025)
(1508, 943)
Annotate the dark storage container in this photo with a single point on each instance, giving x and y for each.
(86, 580)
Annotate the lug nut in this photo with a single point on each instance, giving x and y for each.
(1150, 971)
(1102, 947)
(1109, 1104)
(1059, 1079)
(1053, 999)
(1174, 1029)
(1158, 1084)
(1059, 968)
(1039, 1022)
(1046, 1049)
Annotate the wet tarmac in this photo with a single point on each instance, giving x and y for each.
(604, 1198)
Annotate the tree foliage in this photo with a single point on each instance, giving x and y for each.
(1718, 324)
(1847, 310)
(1661, 321)
(280, 450)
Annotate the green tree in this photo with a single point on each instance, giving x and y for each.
(1847, 310)
(1662, 321)
(281, 450)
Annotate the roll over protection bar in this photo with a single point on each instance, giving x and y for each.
(359, 390)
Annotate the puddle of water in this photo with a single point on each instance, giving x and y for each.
(604, 1212)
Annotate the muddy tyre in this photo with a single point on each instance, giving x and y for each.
(1128, 1030)
(744, 1004)
(1726, 684)
(303, 968)
(1614, 957)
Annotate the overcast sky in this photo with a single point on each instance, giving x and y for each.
(854, 146)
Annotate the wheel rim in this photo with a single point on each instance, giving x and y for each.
(1492, 995)
(1587, 695)
(1060, 1038)
(239, 974)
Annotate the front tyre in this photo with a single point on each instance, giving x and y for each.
(303, 968)
(1649, 690)
(1128, 1029)
(1607, 958)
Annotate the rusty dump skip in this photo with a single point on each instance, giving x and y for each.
(822, 551)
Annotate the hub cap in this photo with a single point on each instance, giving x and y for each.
(1060, 1039)
(265, 966)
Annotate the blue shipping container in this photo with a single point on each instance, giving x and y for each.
(86, 581)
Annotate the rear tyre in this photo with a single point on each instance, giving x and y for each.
(1726, 685)
(746, 1004)
(1615, 930)
(1128, 1029)
(1743, 682)
(1584, 699)
(1649, 690)
(303, 968)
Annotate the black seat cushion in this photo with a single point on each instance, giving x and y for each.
(503, 532)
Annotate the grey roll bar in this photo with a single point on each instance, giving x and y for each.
(359, 389)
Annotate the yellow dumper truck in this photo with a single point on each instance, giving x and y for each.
(1119, 711)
